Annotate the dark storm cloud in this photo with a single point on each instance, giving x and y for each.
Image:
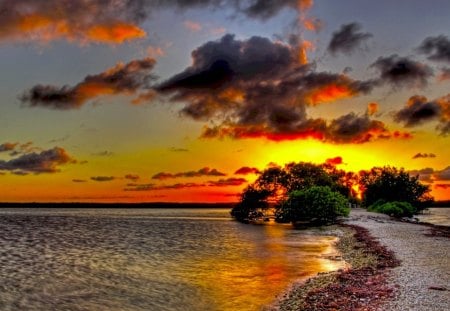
(402, 71)
(79, 180)
(257, 88)
(206, 171)
(442, 186)
(420, 110)
(425, 174)
(424, 155)
(437, 48)
(47, 161)
(263, 9)
(102, 178)
(127, 79)
(347, 38)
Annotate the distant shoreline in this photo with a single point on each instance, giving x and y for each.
(114, 205)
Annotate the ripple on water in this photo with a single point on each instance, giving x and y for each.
(105, 260)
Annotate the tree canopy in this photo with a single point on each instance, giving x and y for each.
(320, 193)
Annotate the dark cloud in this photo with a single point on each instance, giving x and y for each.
(334, 161)
(47, 161)
(402, 71)
(443, 174)
(133, 177)
(7, 146)
(352, 128)
(206, 171)
(257, 88)
(112, 21)
(347, 39)
(425, 174)
(424, 155)
(227, 182)
(245, 170)
(133, 78)
(79, 180)
(420, 110)
(437, 48)
(102, 178)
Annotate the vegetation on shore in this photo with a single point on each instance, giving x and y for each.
(364, 286)
(310, 194)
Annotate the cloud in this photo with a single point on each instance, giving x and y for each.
(442, 186)
(102, 178)
(132, 78)
(7, 146)
(255, 88)
(352, 128)
(443, 174)
(444, 74)
(112, 21)
(206, 171)
(133, 177)
(402, 71)
(334, 161)
(79, 180)
(227, 182)
(245, 170)
(192, 26)
(437, 48)
(347, 39)
(425, 174)
(420, 110)
(47, 161)
(424, 155)
(99, 21)
(372, 108)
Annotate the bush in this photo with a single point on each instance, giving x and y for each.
(394, 209)
(315, 205)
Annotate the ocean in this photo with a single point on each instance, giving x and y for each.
(150, 259)
(436, 216)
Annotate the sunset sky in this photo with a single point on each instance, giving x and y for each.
(149, 100)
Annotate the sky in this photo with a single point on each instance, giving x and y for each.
(187, 101)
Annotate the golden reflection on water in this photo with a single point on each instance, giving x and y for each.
(266, 269)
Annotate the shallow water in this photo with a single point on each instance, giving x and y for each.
(154, 259)
(436, 216)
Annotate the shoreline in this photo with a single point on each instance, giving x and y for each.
(372, 282)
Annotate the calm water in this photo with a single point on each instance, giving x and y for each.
(436, 216)
(160, 259)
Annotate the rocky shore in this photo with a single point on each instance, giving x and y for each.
(393, 266)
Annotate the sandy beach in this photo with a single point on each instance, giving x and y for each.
(395, 266)
(423, 277)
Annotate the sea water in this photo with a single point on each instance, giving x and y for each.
(150, 259)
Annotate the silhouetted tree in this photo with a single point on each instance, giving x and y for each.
(389, 184)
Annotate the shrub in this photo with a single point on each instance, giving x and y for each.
(394, 209)
(315, 205)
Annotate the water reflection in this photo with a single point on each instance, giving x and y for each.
(105, 260)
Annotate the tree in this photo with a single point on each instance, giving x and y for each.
(252, 205)
(390, 184)
(315, 205)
